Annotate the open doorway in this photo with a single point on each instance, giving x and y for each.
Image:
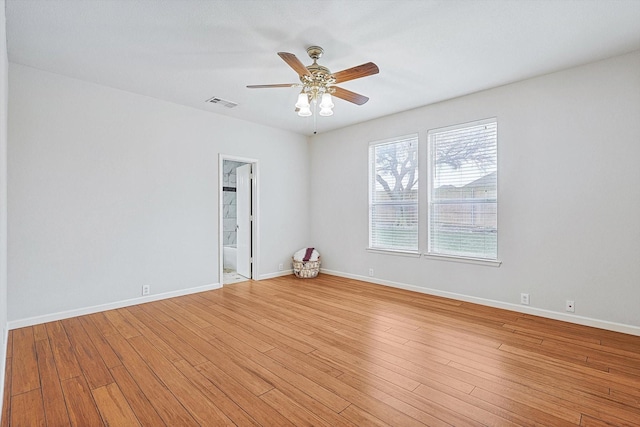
(238, 219)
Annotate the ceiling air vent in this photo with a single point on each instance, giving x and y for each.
(223, 102)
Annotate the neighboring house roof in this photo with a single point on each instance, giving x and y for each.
(487, 180)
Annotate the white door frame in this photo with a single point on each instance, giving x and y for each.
(255, 207)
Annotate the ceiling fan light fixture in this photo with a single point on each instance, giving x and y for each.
(326, 102)
(303, 102)
(304, 111)
(326, 112)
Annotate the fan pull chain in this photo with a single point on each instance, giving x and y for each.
(315, 116)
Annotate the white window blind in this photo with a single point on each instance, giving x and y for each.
(463, 193)
(393, 194)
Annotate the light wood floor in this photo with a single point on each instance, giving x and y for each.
(328, 352)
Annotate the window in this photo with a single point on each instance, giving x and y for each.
(393, 194)
(462, 198)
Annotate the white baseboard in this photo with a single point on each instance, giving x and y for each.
(30, 321)
(276, 274)
(579, 320)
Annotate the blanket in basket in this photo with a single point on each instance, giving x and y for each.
(306, 254)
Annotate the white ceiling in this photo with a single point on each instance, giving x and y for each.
(186, 51)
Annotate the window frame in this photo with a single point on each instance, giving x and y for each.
(371, 173)
(430, 163)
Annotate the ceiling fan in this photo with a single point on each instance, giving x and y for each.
(318, 83)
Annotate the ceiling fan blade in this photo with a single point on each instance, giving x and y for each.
(269, 86)
(347, 95)
(294, 63)
(363, 70)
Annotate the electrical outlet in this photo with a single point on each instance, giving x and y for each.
(280, 267)
(371, 272)
(146, 289)
(524, 299)
(570, 306)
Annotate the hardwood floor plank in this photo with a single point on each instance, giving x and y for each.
(171, 345)
(598, 352)
(521, 412)
(576, 369)
(527, 369)
(330, 352)
(330, 368)
(426, 373)
(633, 400)
(322, 394)
(275, 337)
(107, 354)
(214, 394)
(80, 404)
(140, 405)
(121, 324)
(288, 382)
(312, 405)
(298, 415)
(354, 365)
(40, 332)
(187, 316)
(254, 406)
(625, 371)
(349, 315)
(113, 406)
(254, 307)
(375, 407)
(25, 375)
(569, 395)
(529, 396)
(393, 396)
(199, 407)
(362, 418)
(153, 310)
(54, 405)
(163, 400)
(252, 338)
(373, 335)
(27, 410)
(103, 324)
(245, 375)
(66, 362)
(256, 360)
(94, 369)
(588, 421)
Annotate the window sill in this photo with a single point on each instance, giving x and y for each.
(451, 258)
(394, 252)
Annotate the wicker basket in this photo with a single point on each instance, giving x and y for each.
(306, 269)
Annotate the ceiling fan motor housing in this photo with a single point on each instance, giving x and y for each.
(315, 52)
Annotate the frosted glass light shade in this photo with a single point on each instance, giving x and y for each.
(326, 101)
(326, 112)
(304, 111)
(303, 102)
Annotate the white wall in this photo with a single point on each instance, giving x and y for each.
(569, 196)
(3, 195)
(110, 190)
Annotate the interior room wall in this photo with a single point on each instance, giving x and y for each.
(569, 196)
(110, 191)
(3, 194)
